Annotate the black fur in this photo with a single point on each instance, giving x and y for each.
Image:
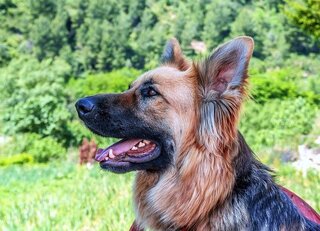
(268, 206)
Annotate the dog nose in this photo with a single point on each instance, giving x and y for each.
(84, 106)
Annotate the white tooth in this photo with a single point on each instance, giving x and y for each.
(111, 155)
(147, 141)
(106, 158)
(134, 148)
(140, 145)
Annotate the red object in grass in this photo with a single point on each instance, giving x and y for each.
(303, 207)
(134, 227)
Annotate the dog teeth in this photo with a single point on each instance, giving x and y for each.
(141, 144)
(146, 141)
(134, 148)
(111, 155)
(106, 158)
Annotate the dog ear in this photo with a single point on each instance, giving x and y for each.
(226, 68)
(172, 55)
(222, 84)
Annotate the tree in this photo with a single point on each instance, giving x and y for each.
(266, 26)
(305, 14)
(33, 97)
(219, 15)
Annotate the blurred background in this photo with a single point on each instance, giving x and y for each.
(53, 52)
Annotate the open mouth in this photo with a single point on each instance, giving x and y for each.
(128, 151)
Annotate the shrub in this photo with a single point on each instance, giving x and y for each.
(115, 81)
(46, 149)
(18, 143)
(271, 87)
(22, 158)
(277, 122)
(285, 83)
(41, 149)
(33, 97)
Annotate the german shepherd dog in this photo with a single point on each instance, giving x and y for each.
(178, 129)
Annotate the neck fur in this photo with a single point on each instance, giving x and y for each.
(184, 195)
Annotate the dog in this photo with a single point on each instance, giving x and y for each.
(178, 129)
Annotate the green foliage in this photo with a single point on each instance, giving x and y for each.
(33, 98)
(104, 35)
(77, 132)
(219, 16)
(267, 28)
(305, 14)
(115, 81)
(22, 158)
(40, 149)
(284, 83)
(46, 149)
(277, 122)
(297, 76)
(270, 85)
(44, 43)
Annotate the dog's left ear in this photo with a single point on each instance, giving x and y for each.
(172, 55)
(222, 83)
(226, 68)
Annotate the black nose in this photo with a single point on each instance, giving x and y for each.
(84, 106)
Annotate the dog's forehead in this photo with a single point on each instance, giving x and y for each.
(160, 75)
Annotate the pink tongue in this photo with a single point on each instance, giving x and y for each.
(118, 148)
(123, 146)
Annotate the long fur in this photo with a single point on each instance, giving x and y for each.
(215, 182)
(204, 175)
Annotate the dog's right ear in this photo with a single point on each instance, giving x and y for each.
(172, 55)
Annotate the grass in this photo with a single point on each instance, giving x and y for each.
(306, 186)
(64, 197)
(68, 197)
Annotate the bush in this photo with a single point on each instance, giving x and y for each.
(284, 83)
(18, 143)
(33, 97)
(277, 122)
(115, 81)
(46, 149)
(41, 149)
(268, 86)
(22, 158)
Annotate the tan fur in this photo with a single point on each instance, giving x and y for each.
(193, 192)
(177, 196)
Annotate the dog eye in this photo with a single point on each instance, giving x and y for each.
(149, 92)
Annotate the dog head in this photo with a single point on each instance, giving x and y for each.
(168, 109)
